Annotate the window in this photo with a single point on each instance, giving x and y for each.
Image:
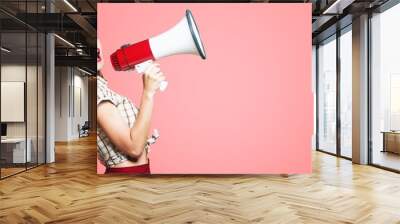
(346, 92)
(327, 95)
(385, 89)
(314, 88)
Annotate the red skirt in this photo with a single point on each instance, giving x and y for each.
(142, 169)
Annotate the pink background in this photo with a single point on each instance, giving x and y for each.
(247, 109)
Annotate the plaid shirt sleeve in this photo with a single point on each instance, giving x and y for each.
(108, 153)
(105, 94)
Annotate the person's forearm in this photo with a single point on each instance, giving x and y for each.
(140, 130)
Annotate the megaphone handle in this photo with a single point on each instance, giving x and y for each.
(141, 68)
(163, 86)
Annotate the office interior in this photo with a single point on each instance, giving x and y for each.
(58, 57)
(48, 80)
(356, 141)
(355, 66)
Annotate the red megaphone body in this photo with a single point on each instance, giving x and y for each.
(183, 38)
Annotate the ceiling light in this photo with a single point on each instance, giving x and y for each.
(65, 41)
(337, 7)
(84, 71)
(79, 51)
(70, 5)
(5, 50)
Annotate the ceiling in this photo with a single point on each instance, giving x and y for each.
(325, 12)
(79, 22)
(76, 21)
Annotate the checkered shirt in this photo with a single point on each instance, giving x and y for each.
(107, 151)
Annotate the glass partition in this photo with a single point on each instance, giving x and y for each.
(327, 95)
(33, 72)
(346, 92)
(385, 89)
(22, 90)
(31, 99)
(41, 96)
(14, 153)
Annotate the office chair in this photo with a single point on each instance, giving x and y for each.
(84, 130)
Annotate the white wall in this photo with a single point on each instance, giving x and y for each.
(70, 84)
(80, 94)
(12, 73)
(61, 103)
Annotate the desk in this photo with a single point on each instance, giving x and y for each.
(391, 141)
(13, 150)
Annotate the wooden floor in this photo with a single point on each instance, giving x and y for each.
(10, 171)
(387, 159)
(69, 191)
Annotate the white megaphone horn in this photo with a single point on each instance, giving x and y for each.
(183, 38)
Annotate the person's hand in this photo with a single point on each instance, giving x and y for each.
(152, 79)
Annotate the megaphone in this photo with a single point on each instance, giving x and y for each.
(183, 38)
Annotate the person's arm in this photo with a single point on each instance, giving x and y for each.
(131, 141)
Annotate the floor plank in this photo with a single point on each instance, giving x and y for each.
(70, 191)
